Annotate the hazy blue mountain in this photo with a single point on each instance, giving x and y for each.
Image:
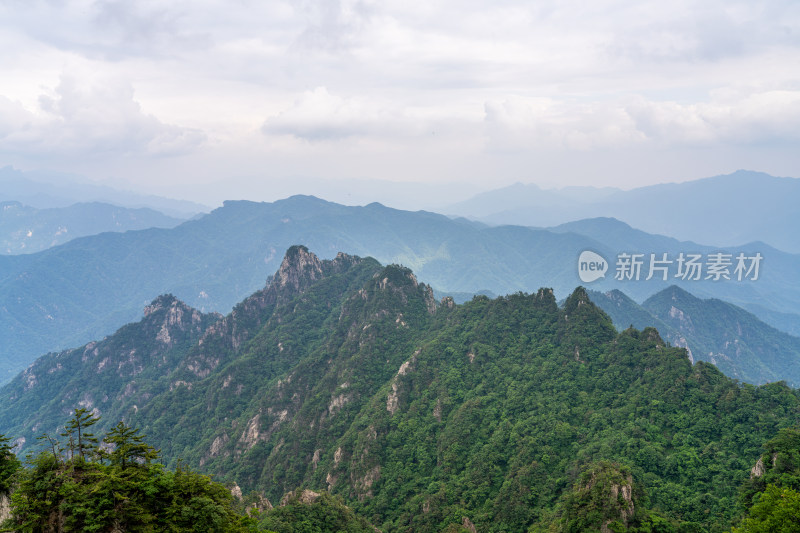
(25, 229)
(786, 322)
(724, 210)
(540, 204)
(730, 337)
(88, 287)
(734, 340)
(770, 297)
(625, 312)
(51, 189)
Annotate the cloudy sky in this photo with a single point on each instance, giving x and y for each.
(263, 95)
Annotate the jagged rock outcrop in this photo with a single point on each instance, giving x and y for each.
(298, 270)
(5, 507)
(303, 496)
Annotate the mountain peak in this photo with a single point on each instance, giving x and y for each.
(162, 302)
(299, 266)
(579, 309)
(578, 298)
(675, 293)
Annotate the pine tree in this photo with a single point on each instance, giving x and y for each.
(8, 464)
(80, 440)
(129, 447)
(132, 493)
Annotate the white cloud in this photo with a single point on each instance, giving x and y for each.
(14, 118)
(318, 115)
(756, 118)
(332, 25)
(91, 120)
(743, 116)
(546, 124)
(287, 81)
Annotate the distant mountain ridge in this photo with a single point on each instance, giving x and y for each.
(50, 190)
(25, 229)
(727, 210)
(734, 340)
(84, 289)
(766, 300)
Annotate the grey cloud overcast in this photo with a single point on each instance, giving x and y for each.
(161, 94)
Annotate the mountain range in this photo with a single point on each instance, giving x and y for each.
(44, 190)
(25, 229)
(86, 288)
(735, 341)
(493, 415)
(727, 210)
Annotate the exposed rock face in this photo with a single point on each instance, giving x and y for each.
(5, 507)
(393, 400)
(437, 411)
(363, 485)
(681, 342)
(683, 320)
(298, 268)
(305, 497)
(758, 469)
(261, 505)
(622, 493)
(251, 434)
(468, 525)
(105, 375)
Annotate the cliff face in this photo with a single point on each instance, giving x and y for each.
(299, 270)
(5, 507)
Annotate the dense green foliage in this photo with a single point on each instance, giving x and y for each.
(311, 512)
(349, 377)
(775, 511)
(82, 487)
(772, 494)
(8, 464)
(77, 485)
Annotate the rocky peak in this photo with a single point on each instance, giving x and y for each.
(673, 293)
(609, 490)
(401, 281)
(164, 301)
(547, 298)
(577, 299)
(298, 268)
